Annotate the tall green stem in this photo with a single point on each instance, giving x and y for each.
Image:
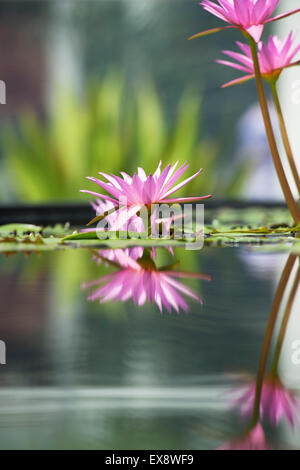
(269, 333)
(285, 136)
(271, 138)
(285, 321)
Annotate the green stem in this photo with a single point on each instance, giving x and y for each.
(268, 335)
(270, 135)
(284, 323)
(285, 136)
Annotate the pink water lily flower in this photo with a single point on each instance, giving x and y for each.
(140, 280)
(247, 15)
(132, 224)
(273, 57)
(252, 440)
(142, 191)
(277, 403)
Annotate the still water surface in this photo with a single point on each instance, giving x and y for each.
(118, 375)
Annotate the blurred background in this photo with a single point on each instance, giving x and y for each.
(111, 84)
(107, 85)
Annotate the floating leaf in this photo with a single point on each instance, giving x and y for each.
(18, 229)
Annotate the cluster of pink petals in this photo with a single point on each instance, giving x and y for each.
(247, 15)
(273, 57)
(141, 281)
(142, 190)
(115, 256)
(276, 402)
(133, 224)
(129, 224)
(252, 440)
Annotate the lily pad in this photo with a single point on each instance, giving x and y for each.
(227, 229)
(19, 230)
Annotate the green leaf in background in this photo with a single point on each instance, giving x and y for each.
(109, 129)
(151, 127)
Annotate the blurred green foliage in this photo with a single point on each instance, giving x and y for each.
(110, 131)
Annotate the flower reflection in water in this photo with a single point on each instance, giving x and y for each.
(267, 397)
(139, 278)
(252, 440)
(276, 401)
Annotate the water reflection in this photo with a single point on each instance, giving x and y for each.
(267, 398)
(118, 375)
(138, 277)
(277, 403)
(253, 439)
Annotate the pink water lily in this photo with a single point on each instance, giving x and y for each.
(141, 190)
(252, 440)
(273, 57)
(249, 16)
(277, 403)
(140, 280)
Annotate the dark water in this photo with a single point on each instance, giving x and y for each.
(81, 374)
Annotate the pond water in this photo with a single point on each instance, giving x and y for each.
(80, 374)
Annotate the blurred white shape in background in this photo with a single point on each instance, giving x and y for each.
(289, 82)
(263, 184)
(252, 145)
(289, 92)
(139, 11)
(252, 142)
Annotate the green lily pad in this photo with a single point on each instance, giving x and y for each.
(227, 228)
(18, 229)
